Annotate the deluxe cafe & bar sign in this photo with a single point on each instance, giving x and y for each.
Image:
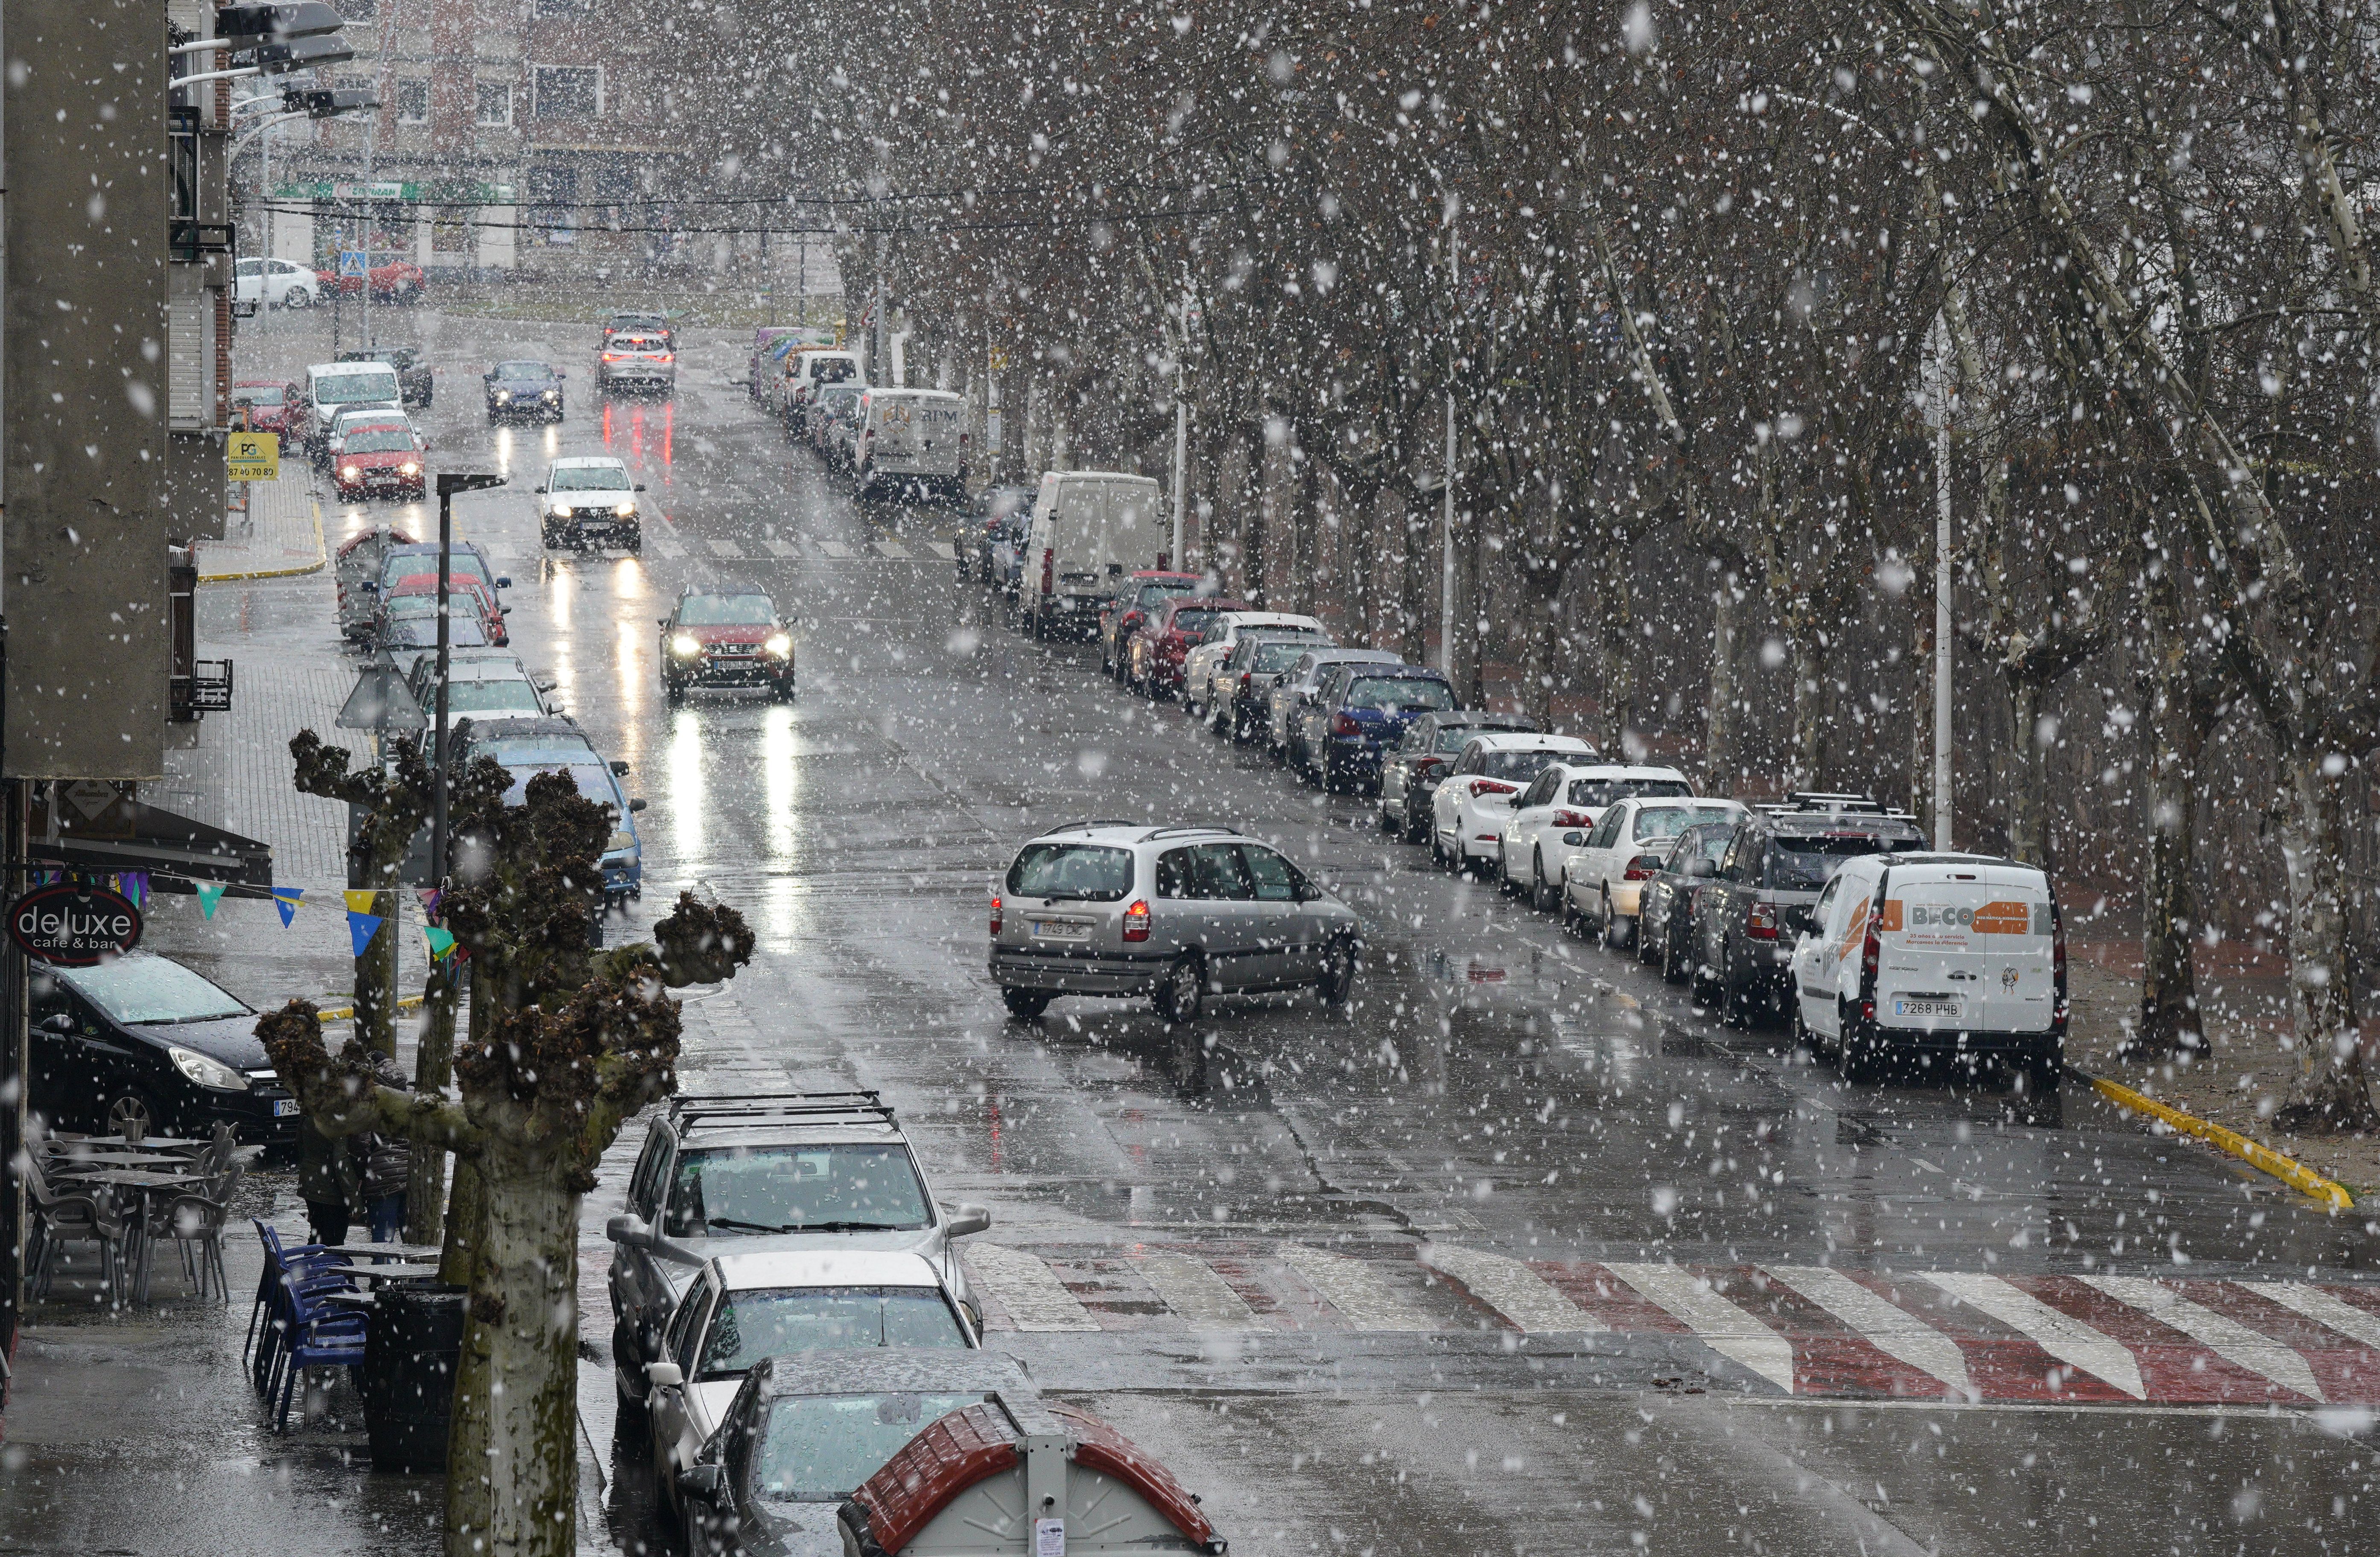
(67, 925)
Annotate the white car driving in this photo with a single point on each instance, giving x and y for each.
(1199, 670)
(1607, 866)
(277, 283)
(1468, 813)
(1554, 811)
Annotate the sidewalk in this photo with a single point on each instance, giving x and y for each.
(279, 536)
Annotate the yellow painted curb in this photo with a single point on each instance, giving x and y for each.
(322, 555)
(2289, 1170)
(340, 1013)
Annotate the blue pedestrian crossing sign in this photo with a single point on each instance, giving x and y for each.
(351, 261)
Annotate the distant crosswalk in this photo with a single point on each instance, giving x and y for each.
(1822, 1331)
(667, 540)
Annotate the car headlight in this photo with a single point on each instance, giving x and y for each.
(212, 1074)
(562, 511)
(624, 509)
(503, 394)
(685, 643)
(350, 473)
(779, 645)
(623, 838)
(409, 467)
(553, 394)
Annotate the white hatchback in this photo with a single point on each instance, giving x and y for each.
(1199, 670)
(1549, 819)
(1604, 874)
(1470, 808)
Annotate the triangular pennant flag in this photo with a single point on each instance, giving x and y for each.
(286, 900)
(362, 927)
(360, 902)
(429, 897)
(440, 943)
(210, 894)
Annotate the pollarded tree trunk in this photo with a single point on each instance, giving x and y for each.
(2021, 778)
(433, 1070)
(1810, 709)
(2178, 714)
(2331, 1092)
(1719, 764)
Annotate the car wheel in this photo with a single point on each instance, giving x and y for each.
(1416, 828)
(2044, 1069)
(132, 1113)
(1338, 981)
(1856, 1059)
(1734, 1002)
(1503, 876)
(1024, 1004)
(1673, 966)
(1540, 895)
(1617, 931)
(1570, 919)
(1182, 993)
(1797, 1031)
(298, 297)
(674, 693)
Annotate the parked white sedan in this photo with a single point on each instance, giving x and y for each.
(276, 284)
(1199, 670)
(1468, 813)
(1605, 872)
(1557, 808)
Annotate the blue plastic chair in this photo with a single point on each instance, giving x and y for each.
(318, 1336)
(284, 1266)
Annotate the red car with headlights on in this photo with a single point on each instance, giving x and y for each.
(726, 639)
(379, 460)
(1165, 639)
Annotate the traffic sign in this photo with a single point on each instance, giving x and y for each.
(253, 456)
(351, 261)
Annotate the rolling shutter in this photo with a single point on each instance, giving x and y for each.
(190, 384)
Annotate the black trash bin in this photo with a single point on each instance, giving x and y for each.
(410, 1351)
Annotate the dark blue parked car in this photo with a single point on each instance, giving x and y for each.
(1360, 711)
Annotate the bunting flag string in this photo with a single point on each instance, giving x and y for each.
(440, 943)
(286, 900)
(361, 928)
(210, 894)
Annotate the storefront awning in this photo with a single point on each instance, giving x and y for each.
(176, 851)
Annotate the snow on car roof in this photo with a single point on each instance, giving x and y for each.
(827, 1267)
(579, 461)
(1522, 740)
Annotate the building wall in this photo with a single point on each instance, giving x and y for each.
(84, 527)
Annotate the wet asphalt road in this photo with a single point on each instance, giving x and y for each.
(1498, 1089)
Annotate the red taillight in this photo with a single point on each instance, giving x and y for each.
(1493, 786)
(1136, 921)
(1643, 868)
(1248, 677)
(1760, 920)
(610, 357)
(1871, 957)
(995, 916)
(2057, 961)
(1049, 571)
(1573, 818)
(1429, 765)
(1346, 724)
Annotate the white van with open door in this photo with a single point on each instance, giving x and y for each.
(1940, 961)
(911, 447)
(1091, 529)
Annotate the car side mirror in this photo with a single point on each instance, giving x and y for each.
(700, 1481)
(541, 487)
(967, 1220)
(1699, 866)
(638, 805)
(369, 585)
(665, 1375)
(630, 1231)
(503, 582)
(620, 767)
(1573, 840)
(559, 374)
(640, 486)
(60, 1023)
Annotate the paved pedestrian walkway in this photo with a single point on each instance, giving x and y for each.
(279, 534)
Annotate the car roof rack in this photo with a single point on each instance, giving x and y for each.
(803, 1107)
(1816, 803)
(1153, 834)
(1087, 825)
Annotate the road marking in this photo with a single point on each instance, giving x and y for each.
(727, 548)
(835, 549)
(1510, 1288)
(1191, 1288)
(2058, 1333)
(666, 541)
(1887, 1327)
(2359, 1324)
(943, 549)
(892, 548)
(1352, 1288)
(1716, 1322)
(2226, 1337)
(1028, 1288)
(781, 547)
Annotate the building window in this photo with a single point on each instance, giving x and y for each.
(413, 102)
(495, 102)
(355, 10)
(563, 7)
(569, 92)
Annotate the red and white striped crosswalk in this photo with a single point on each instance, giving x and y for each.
(1822, 1331)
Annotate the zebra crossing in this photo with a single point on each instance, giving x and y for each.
(1819, 1332)
(668, 540)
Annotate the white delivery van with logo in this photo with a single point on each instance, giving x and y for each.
(911, 446)
(1091, 528)
(1946, 960)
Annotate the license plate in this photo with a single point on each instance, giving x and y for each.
(1057, 930)
(1926, 1008)
(284, 1108)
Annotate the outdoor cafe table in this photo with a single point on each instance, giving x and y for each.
(116, 1142)
(141, 1183)
(65, 1166)
(419, 1253)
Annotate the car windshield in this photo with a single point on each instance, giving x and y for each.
(1806, 864)
(818, 1448)
(345, 389)
(380, 440)
(839, 394)
(588, 478)
(774, 1323)
(1514, 766)
(833, 370)
(413, 603)
(1399, 693)
(1667, 820)
(594, 782)
(1194, 623)
(424, 564)
(491, 697)
(1274, 657)
(725, 611)
(795, 1188)
(1597, 794)
(1155, 595)
(1089, 872)
(138, 990)
(639, 342)
(256, 395)
(523, 371)
(1708, 842)
(535, 751)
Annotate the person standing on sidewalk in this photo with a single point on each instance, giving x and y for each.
(387, 1165)
(328, 1181)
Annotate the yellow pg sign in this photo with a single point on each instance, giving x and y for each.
(253, 456)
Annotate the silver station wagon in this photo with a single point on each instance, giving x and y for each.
(1122, 909)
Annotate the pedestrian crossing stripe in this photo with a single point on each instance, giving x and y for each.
(667, 544)
(728, 549)
(892, 549)
(1817, 1332)
(782, 549)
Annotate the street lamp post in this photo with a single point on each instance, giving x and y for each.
(449, 483)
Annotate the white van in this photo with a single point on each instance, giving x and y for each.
(1943, 959)
(806, 372)
(1091, 528)
(330, 388)
(911, 446)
